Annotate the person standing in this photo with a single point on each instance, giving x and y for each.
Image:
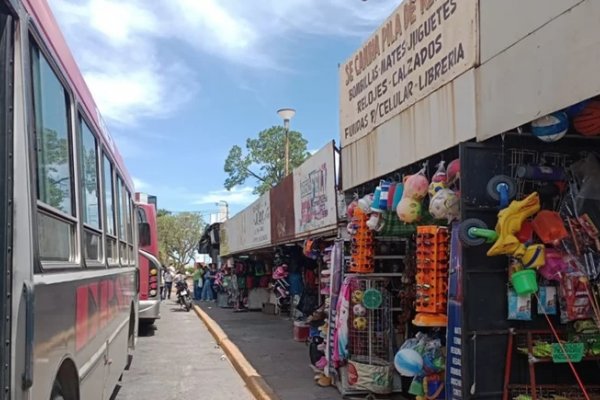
(168, 279)
(207, 292)
(198, 281)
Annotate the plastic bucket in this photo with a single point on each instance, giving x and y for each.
(301, 331)
(524, 282)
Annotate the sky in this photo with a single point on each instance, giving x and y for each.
(179, 82)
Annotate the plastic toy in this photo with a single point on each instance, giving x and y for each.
(445, 205)
(408, 362)
(509, 223)
(360, 323)
(501, 188)
(372, 298)
(549, 227)
(550, 128)
(453, 172)
(475, 232)
(416, 186)
(357, 296)
(359, 310)
(409, 210)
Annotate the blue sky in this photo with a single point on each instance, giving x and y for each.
(181, 81)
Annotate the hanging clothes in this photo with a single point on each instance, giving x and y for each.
(340, 340)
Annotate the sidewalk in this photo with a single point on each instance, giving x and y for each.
(267, 343)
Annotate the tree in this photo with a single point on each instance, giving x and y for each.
(178, 236)
(265, 159)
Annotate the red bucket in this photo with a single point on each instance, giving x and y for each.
(301, 331)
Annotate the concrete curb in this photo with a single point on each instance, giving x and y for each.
(256, 384)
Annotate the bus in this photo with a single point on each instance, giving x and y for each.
(150, 268)
(68, 231)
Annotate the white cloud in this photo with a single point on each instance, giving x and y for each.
(121, 45)
(139, 184)
(237, 196)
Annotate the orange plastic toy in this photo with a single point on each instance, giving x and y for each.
(549, 227)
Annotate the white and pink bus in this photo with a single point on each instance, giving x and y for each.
(68, 234)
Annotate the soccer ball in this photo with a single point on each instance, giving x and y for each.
(357, 296)
(359, 310)
(360, 323)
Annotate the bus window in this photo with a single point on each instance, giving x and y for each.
(130, 229)
(111, 241)
(88, 157)
(54, 162)
(122, 221)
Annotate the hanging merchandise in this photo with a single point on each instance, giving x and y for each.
(362, 244)
(439, 180)
(587, 122)
(550, 128)
(432, 276)
(409, 208)
(422, 358)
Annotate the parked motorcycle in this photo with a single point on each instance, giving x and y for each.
(184, 299)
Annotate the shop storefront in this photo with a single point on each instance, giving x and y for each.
(277, 243)
(472, 265)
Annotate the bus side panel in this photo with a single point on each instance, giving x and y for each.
(85, 318)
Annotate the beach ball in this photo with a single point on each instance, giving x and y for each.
(576, 109)
(408, 362)
(453, 171)
(587, 121)
(359, 310)
(416, 186)
(357, 296)
(444, 205)
(409, 210)
(435, 187)
(360, 323)
(550, 128)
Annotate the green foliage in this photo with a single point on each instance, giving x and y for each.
(53, 158)
(178, 236)
(162, 212)
(265, 159)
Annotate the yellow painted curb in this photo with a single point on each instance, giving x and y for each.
(256, 384)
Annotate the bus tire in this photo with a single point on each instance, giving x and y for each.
(66, 383)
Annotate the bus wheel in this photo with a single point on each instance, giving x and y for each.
(66, 383)
(57, 392)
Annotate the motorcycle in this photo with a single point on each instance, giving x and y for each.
(184, 299)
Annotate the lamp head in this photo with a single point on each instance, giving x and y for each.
(286, 113)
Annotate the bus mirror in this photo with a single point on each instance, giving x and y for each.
(144, 234)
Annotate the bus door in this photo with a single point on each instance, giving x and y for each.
(6, 126)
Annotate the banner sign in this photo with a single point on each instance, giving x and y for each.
(420, 47)
(282, 213)
(314, 192)
(248, 229)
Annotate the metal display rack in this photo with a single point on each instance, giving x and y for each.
(375, 343)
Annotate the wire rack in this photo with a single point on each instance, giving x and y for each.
(521, 157)
(370, 340)
(550, 392)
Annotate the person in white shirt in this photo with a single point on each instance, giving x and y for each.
(168, 279)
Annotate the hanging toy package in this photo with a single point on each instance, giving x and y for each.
(415, 189)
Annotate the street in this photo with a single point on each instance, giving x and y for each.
(178, 359)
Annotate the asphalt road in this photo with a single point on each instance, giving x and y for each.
(178, 359)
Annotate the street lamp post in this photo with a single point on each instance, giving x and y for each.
(226, 209)
(287, 114)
